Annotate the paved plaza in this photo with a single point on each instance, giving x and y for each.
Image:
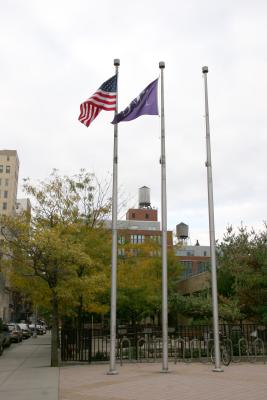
(25, 375)
(184, 382)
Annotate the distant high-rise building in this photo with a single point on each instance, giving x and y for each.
(9, 171)
(23, 205)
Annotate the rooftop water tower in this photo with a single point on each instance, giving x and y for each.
(144, 197)
(182, 232)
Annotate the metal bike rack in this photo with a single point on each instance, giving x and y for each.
(191, 347)
(228, 340)
(253, 353)
(205, 359)
(224, 343)
(240, 341)
(209, 341)
(255, 347)
(141, 341)
(125, 340)
(176, 346)
(155, 348)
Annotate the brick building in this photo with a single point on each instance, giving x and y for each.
(141, 224)
(196, 262)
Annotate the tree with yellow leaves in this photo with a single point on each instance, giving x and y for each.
(60, 257)
(140, 281)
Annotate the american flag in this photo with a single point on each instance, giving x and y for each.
(103, 99)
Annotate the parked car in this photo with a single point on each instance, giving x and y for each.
(44, 325)
(43, 328)
(2, 338)
(15, 332)
(26, 332)
(39, 329)
(7, 336)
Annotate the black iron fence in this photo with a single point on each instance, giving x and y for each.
(144, 343)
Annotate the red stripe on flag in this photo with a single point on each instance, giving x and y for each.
(100, 100)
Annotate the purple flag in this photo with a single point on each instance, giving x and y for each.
(145, 104)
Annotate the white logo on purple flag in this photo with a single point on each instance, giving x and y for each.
(144, 104)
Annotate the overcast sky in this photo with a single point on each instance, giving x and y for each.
(55, 54)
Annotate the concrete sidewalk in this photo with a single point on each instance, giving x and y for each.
(145, 382)
(25, 372)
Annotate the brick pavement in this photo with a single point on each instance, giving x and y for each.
(145, 382)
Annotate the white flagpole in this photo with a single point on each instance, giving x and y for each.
(113, 307)
(215, 313)
(164, 232)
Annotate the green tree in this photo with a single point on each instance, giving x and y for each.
(59, 257)
(140, 280)
(242, 273)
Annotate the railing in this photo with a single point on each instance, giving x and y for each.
(246, 342)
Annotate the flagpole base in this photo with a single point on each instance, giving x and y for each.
(217, 370)
(164, 371)
(114, 372)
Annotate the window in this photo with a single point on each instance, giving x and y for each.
(188, 268)
(0, 181)
(121, 239)
(155, 253)
(190, 253)
(7, 158)
(147, 216)
(1, 168)
(5, 194)
(155, 238)
(6, 182)
(135, 239)
(5, 206)
(202, 266)
(133, 215)
(8, 169)
(205, 254)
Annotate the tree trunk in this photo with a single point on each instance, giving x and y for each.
(54, 332)
(79, 326)
(79, 316)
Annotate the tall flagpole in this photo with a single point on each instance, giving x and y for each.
(164, 232)
(215, 313)
(113, 307)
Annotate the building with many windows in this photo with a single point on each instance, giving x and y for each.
(195, 260)
(141, 224)
(23, 205)
(10, 206)
(9, 172)
(196, 273)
